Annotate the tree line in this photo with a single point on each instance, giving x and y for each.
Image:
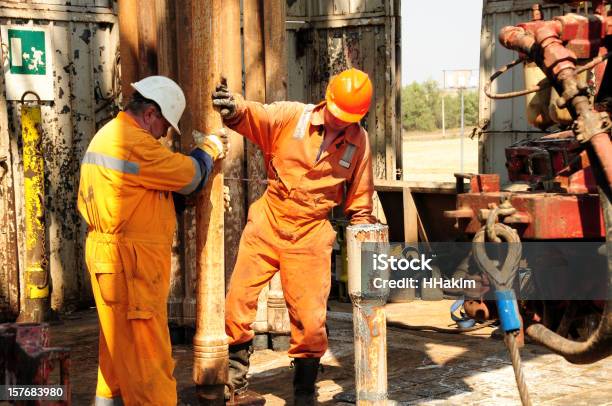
(422, 107)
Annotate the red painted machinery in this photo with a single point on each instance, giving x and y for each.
(560, 183)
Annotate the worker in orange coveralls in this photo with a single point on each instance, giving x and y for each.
(315, 156)
(126, 197)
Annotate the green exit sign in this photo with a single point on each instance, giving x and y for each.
(28, 54)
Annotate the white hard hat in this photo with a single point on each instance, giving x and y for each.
(167, 94)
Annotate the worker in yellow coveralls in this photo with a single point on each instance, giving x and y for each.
(128, 179)
(317, 156)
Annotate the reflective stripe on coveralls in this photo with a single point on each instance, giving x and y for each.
(287, 228)
(125, 197)
(300, 129)
(347, 158)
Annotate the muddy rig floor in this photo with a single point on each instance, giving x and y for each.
(423, 368)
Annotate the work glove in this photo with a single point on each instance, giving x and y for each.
(216, 145)
(224, 101)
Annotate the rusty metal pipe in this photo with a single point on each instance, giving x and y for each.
(369, 319)
(517, 39)
(210, 367)
(255, 90)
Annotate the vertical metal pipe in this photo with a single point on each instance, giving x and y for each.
(210, 366)
(36, 278)
(255, 90)
(254, 87)
(369, 319)
(275, 55)
(233, 164)
(147, 38)
(165, 15)
(187, 231)
(275, 50)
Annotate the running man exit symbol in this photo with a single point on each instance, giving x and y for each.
(27, 52)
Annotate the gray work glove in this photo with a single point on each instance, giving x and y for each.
(223, 100)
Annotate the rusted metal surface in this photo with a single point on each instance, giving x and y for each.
(27, 359)
(370, 329)
(35, 307)
(369, 319)
(210, 367)
(328, 37)
(85, 51)
(539, 215)
(478, 182)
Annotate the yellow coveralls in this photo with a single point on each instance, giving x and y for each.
(125, 196)
(287, 229)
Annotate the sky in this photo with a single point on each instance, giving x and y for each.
(439, 35)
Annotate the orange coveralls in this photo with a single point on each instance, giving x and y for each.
(125, 197)
(287, 229)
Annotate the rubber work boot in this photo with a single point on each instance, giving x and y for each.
(304, 377)
(237, 393)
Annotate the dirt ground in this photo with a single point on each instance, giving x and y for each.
(430, 157)
(423, 368)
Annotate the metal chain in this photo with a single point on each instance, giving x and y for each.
(517, 365)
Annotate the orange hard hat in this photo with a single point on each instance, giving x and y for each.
(349, 95)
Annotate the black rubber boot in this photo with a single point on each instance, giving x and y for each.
(304, 378)
(237, 392)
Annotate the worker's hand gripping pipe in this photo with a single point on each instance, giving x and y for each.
(369, 320)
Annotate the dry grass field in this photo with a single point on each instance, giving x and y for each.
(428, 156)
